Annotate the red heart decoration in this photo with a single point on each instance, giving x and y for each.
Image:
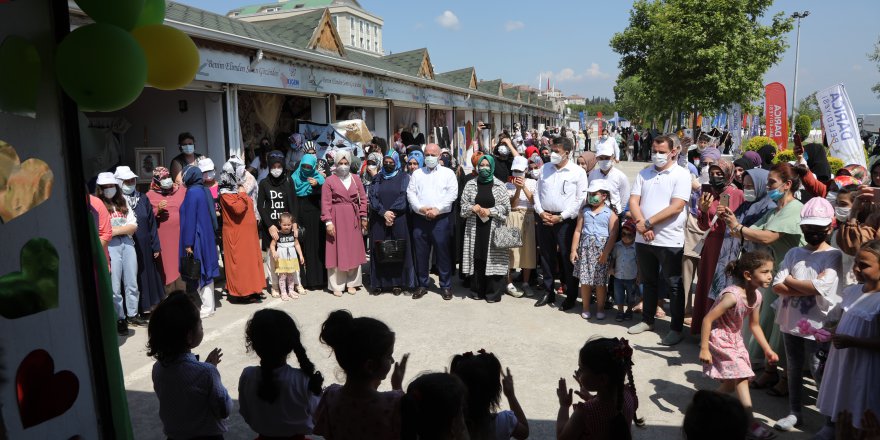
(42, 393)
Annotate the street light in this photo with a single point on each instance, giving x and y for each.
(797, 52)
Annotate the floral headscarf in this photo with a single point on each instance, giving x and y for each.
(855, 170)
(160, 174)
(725, 166)
(231, 176)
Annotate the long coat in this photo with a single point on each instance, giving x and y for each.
(345, 208)
(168, 224)
(499, 259)
(146, 242)
(390, 195)
(241, 244)
(197, 231)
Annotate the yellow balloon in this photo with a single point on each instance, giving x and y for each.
(172, 56)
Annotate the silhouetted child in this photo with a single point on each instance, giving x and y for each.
(604, 365)
(482, 376)
(716, 416)
(364, 348)
(276, 399)
(192, 400)
(433, 408)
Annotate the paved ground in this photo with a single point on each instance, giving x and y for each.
(538, 345)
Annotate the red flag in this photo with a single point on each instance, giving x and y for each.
(775, 114)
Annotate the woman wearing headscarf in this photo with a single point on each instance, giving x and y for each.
(417, 156)
(307, 185)
(720, 187)
(485, 204)
(754, 157)
(740, 166)
(817, 174)
(241, 243)
(197, 238)
(767, 153)
(460, 222)
(146, 241)
(389, 221)
(587, 160)
(167, 198)
(344, 212)
(275, 196)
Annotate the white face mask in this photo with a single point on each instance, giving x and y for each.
(750, 195)
(605, 165)
(431, 161)
(518, 173)
(841, 213)
(343, 171)
(372, 167)
(187, 149)
(832, 198)
(660, 159)
(536, 173)
(208, 175)
(276, 172)
(555, 158)
(166, 183)
(127, 189)
(109, 193)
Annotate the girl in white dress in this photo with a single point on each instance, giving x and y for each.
(852, 373)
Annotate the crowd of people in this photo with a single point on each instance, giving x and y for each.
(788, 246)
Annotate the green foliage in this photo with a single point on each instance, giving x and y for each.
(802, 126)
(784, 156)
(835, 164)
(875, 57)
(755, 143)
(704, 54)
(809, 106)
(629, 94)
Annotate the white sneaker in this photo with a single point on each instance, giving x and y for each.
(512, 291)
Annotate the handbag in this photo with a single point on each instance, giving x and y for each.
(506, 237)
(390, 250)
(190, 268)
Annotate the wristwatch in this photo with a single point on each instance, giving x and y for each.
(648, 224)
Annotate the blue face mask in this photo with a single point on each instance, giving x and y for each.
(775, 194)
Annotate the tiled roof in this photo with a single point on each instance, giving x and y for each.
(490, 87)
(294, 31)
(459, 78)
(511, 93)
(409, 62)
(292, 5)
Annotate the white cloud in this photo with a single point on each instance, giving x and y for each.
(595, 72)
(570, 75)
(448, 20)
(857, 67)
(512, 25)
(418, 26)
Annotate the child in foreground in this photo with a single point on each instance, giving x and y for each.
(722, 349)
(603, 366)
(484, 381)
(433, 408)
(192, 400)
(716, 416)
(288, 258)
(364, 349)
(277, 400)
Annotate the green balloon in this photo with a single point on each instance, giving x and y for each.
(122, 13)
(21, 76)
(101, 67)
(153, 13)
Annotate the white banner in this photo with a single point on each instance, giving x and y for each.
(736, 129)
(841, 127)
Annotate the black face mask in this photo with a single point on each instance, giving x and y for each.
(388, 167)
(546, 158)
(717, 182)
(815, 238)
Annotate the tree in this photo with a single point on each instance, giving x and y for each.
(700, 54)
(810, 106)
(875, 57)
(631, 100)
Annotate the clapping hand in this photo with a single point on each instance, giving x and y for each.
(563, 392)
(399, 372)
(507, 384)
(214, 357)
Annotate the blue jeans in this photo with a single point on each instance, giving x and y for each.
(123, 273)
(625, 292)
(797, 349)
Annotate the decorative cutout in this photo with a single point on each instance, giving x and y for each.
(42, 393)
(22, 185)
(35, 288)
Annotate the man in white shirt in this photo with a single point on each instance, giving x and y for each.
(657, 203)
(430, 193)
(558, 199)
(616, 179)
(609, 142)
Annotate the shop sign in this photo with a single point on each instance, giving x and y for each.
(223, 67)
(345, 84)
(480, 104)
(459, 101)
(402, 92)
(495, 106)
(437, 97)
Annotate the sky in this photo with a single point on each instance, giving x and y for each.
(520, 42)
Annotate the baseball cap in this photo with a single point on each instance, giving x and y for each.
(124, 173)
(519, 164)
(605, 149)
(106, 178)
(817, 211)
(206, 165)
(602, 185)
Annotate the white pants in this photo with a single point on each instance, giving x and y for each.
(269, 270)
(338, 280)
(206, 298)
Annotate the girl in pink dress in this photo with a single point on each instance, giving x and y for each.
(722, 349)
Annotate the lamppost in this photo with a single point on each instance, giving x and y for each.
(797, 52)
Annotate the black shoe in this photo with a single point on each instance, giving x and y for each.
(137, 321)
(466, 283)
(567, 305)
(122, 327)
(446, 294)
(396, 291)
(420, 292)
(375, 292)
(547, 300)
(493, 299)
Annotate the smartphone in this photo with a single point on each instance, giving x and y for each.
(725, 200)
(707, 188)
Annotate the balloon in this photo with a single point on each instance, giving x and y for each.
(153, 13)
(122, 13)
(101, 67)
(172, 57)
(20, 86)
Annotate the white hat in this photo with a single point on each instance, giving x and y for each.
(519, 164)
(206, 165)
(124, 173)
(605, 149)
(106, 178)
(598, 185)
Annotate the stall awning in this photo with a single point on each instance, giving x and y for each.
(361, 102)
(407, 104)
(279, 91)
(439, 107)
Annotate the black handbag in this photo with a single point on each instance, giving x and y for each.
(390, 250)
(190, 268)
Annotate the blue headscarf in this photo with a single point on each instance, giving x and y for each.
(750, 213)
(418, 156)
(396, 157)
(192, 176)
(301, 177)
